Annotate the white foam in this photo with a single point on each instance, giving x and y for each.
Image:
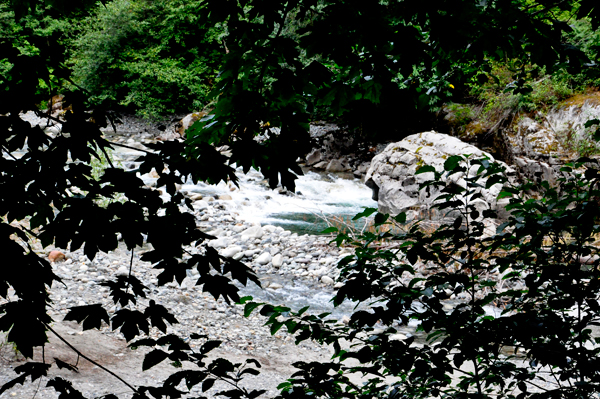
(322, 194)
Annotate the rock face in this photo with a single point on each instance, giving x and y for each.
(337, 151)
(537, 144)
(396, 187)
(541, 148)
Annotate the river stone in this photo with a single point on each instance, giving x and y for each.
(327, 280)
(397, 337)
(320, 165)
(277, 260)
(238, 256)
(237, 228)
(200, 204)
(536, 171)
(314, 157)
(269, 228)
(263, 258)
(220, 243)
(122, 271)
(225, 197)
(231, 251)
(396, 186)
(337, 165)
(56, 256)
(252, 233)
(187, 122)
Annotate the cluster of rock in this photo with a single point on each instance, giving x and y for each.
(278, 256)
(196, 312)
(337, 151)
(537, 145)
(268, 249)
(540, 148)
(536, 148)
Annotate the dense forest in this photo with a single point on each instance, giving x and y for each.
(263, 70)
(158, 59)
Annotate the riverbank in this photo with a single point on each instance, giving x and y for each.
(292, 267)
(295, 270)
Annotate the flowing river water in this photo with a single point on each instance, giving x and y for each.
(319, 197)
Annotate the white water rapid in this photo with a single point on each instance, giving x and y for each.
(318, 196)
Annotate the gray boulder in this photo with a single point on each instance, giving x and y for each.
(314, 157)
(337, 165)
(396, 187)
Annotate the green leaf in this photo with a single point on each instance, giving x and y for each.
(400, 218)
(209, 346)
(504, 194)
(364, 214)
(275, 326)
(303, 310)
(425, 169)
(380, 218)
(244, 299)
(452, 162)
(158, 314)
(591, 123)
(250, 307)
(208, 384)
(130, 322)
(90, 315)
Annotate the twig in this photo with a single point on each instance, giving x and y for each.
(38, 387)
(48, 116)
(90, 360)
(131, 148)
(130, 269)
(107, 157)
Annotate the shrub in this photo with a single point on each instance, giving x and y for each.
(509, 315)
(152, 57)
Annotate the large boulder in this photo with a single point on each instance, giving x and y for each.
(396, 186)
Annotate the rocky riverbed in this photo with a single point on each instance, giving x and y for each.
(196, 312)
(287, 264)
(295, 270)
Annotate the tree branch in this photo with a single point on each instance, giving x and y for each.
(90, 360)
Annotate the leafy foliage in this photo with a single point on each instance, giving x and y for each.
(511, 314)
(156, 58)
(363, 61)
(42, 170)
